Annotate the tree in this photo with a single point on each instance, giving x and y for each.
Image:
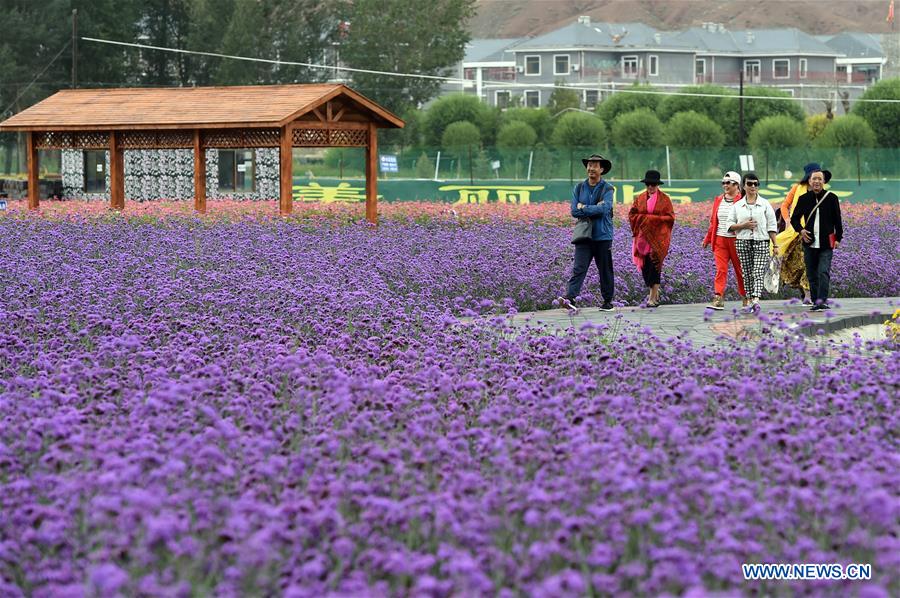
(708, 106)
(847, 131)
(514, 140)
(815, 124)
(627, 100)
(776, 132)
(463, 141)
(638, 128)
(403, 37)
(757, 109)
(577, 130)
(693, 130)
(538, 119)
(883, 118)
(424, 167)
(165, 23)
(456, 107)
(290, 30)
(562, 98)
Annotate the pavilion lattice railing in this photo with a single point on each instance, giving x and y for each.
(71, 140)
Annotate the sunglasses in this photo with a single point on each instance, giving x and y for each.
(751, 184)
(729, 183)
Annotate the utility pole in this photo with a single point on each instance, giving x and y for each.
(741, 105)
(74, 48)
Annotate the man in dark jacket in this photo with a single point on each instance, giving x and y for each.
(821, 233)
(593, 198)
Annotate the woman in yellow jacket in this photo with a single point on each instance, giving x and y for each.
(793, 269)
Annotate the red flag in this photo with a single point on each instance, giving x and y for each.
(890, 17)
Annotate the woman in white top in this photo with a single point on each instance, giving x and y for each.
(752, 220)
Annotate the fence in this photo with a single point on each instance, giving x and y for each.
(556, 163)
(562, 164)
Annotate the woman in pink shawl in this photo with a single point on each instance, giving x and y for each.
(651, 218)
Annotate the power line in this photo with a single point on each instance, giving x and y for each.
(485, 84)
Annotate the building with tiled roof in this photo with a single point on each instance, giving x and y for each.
(599, 58)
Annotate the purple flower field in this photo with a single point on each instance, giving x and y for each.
(293, 408)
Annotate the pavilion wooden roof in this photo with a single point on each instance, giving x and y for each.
(255, 106)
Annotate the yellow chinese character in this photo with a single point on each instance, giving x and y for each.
(316, 192)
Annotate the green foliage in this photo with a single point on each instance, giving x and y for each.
(454, 108)
(516, 135)
(424, 167)
(883, 118)
(577, 129)
(775, 132)
(537, 118)
(690, 129)
(403, 37)
(460, 136)
(298, 29)
(847, 131)
(562, 98)
(627, 100)
(756, 110)
(638, 128)
(815, 124)
(515, 140)
(711, 107)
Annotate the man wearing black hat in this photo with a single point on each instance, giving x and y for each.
(592, 199)
(818, 218)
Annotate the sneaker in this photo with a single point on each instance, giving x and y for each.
(717, 303)
(566, 303)
(807, 301)
(818, 307)
(607, 306)
(755, 307)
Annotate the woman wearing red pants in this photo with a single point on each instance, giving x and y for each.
(721, 240)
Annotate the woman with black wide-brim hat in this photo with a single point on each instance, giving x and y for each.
(652, 218)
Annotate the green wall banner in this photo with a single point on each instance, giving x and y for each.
(534, 191)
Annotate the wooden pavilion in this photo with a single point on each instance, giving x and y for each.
(200, 118)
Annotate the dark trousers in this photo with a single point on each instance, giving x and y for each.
(601, 253)
(818, 271)
(650, 272)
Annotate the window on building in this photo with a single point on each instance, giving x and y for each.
(781, 68)
(630, 67)
(700, 70)
(532, 99)
(532, 65)
(561, 64)
(653, 65)
(803, 68)
(591, 98)
(95, 171)
(502, 99)
(236, 170)
(469, 74)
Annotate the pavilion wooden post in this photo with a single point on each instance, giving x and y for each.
(372, 175)
(286, 172)
(199, 173)
(116, 173)
(34, 189)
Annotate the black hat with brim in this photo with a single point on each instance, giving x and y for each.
(811, 168)
(652, 178)
(604, 163)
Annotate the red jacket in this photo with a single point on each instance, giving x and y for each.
(710, 238)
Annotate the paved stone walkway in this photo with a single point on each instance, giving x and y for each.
(706, 327)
